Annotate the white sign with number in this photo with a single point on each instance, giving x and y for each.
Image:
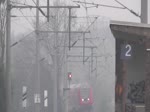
(126, 51)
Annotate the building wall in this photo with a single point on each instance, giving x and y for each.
(136, 75)
(130, 74)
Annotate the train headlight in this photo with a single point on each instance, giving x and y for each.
(88, 99)
(82, 99)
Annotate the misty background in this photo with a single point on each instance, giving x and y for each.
(103, 78)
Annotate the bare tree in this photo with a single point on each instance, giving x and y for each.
(3, 11)
(2, 31)
(56, 43)
(2, 49)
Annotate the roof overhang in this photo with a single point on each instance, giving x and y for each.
(129, 30)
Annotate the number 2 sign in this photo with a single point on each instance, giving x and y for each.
(126, 51)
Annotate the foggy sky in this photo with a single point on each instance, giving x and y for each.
(23, 25)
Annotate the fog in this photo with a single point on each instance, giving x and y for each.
(94, 65)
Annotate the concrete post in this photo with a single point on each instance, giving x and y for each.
(144, 11)
(37, 95)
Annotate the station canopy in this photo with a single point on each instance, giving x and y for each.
(129, 30)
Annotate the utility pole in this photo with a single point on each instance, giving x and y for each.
(91, 61)
(48, 10)
(7, 67)
(90, 70)
(65, 81)
(56, 67)
(69, 28)
(96, 69)
(55, 76)
(144, 11)
(83, 47)
(37, 96)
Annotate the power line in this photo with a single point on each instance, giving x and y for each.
(76, 17)
(40, 9)
(30, 6)
(25, 4)
(134, 13)
(15, 22)
(24, 37)
(45, 7)
(21, 39)
(98, 5)
(91, 23)
(26, 18)
(20, 3)
(30, 9)
(23, 16)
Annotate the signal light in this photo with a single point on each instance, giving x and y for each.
(69, 76)
(82, 99)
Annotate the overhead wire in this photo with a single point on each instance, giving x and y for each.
(31, 12)
(133, 12)
(24, 16)
(86, 12)
(87, 30)
(31, 6)
(24, 37)
(25, 3)
(86, 9)
(15, 22)
(15, 43)
(97, 5)
(91, 24)
(40, 9)
(27, 19)
(20, 3)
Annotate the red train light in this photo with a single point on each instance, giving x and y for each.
(69, 76)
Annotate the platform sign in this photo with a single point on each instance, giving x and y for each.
(45, 98)
(126, 51)
(37, 98)
(24, 96)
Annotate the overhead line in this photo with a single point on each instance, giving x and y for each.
(29, 6)
(133, 12)
(64, 31)
(24, 37)
(26, 18)
(97, 5)
(40, 9)
(82, 56)
(91, 23)
(21, 3)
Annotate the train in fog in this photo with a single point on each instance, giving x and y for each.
(80, 98)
